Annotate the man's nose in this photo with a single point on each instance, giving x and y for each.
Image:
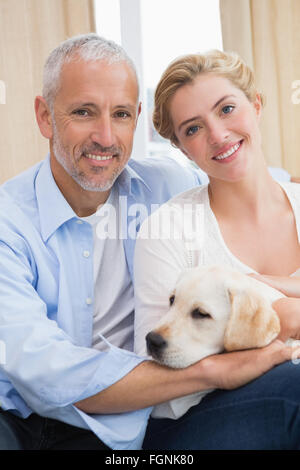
(103, 132)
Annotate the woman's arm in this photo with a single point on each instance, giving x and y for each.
(287, 308)
(289, 286)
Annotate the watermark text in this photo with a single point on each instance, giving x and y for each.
(183, 222)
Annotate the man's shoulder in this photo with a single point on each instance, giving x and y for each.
(165, 177)
(21, 186)
(166, 173)
(17, 197)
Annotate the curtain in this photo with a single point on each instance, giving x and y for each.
(29, 30)
(266, 34)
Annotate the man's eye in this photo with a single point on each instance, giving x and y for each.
(122, 114)
(81, 112)
(192, 130)
(227, 109)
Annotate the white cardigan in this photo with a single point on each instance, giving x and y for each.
(181, 234)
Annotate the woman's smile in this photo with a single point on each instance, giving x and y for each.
(229, 154)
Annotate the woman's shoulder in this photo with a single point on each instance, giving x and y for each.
(292, 189)
(171, 213)
(191, 199)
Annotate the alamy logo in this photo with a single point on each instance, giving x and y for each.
(172, 222)
(2, 92)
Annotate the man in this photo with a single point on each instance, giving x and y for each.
(68, 377)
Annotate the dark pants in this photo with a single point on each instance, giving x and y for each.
(37, 433)
(262, 415)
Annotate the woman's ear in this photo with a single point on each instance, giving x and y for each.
(43, 117)
(258, 105)
(253, 323)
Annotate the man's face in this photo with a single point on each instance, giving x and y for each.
(95, 115)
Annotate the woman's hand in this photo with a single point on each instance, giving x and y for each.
(287, 308)
(288, 311)
(232, 370)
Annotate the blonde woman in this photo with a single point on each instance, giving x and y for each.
(208, 107)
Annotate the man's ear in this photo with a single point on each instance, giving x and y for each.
(43, 117)
(138, 113)
(252, 323)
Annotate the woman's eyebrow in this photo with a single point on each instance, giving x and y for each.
(220, 101)
(198, 116)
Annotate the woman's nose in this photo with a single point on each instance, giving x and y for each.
(217, 133)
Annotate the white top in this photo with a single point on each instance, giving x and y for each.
(113, 290)
(182, 234)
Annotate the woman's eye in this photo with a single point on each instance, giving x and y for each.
(192, 130)
(227, 109)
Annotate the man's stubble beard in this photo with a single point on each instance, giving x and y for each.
(81, 179)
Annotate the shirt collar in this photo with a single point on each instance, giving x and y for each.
(126, 177)
(54, 210)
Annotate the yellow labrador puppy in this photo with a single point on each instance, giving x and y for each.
(212, 309)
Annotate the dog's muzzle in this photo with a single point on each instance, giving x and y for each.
(155, 344)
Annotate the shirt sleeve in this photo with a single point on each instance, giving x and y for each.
(42, 362)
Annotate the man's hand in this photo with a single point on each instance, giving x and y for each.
(232, 370)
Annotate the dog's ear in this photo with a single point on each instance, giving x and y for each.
(252, 323)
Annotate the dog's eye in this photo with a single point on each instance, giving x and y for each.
(196, 313)
(171, 299)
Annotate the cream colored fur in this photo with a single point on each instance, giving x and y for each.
(239, 315)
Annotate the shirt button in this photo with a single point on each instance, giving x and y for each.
(89, 301)
(79, 221)
(86, 253)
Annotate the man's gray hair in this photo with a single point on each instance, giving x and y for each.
(87, 47)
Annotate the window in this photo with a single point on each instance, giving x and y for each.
(154, 32)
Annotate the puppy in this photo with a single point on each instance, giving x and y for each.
(212, 309)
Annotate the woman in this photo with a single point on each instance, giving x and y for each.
(208, 106)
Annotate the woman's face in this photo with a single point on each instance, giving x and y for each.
(217, 126)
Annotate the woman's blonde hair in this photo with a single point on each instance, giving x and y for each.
(185, 70)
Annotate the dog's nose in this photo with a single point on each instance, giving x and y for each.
(155, 343)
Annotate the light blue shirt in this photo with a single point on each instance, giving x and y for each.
(46, 297)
